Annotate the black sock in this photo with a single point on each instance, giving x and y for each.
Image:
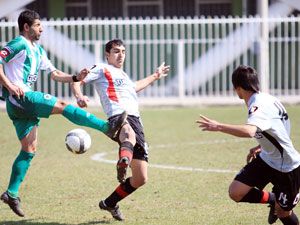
(257, 196)
(290, 220)
(122, 191)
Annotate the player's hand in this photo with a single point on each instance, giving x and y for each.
(253, 153)
(82, 102)
(162, 71)
(16, 91)
(207, 124)
(82, 74)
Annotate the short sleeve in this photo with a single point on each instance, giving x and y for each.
(45, 62)
(94, 74)
(11, 50)
(258, 118)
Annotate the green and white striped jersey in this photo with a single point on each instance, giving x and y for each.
(22, 61)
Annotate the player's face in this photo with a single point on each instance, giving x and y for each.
(35, 30)
(116, 56)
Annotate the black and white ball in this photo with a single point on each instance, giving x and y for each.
(78, 141)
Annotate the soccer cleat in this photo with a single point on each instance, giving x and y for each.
(115, 126)
(122, 166)
(14, 204)
(115, 211)
(272, 217)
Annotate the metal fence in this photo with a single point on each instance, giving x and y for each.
(202, 53)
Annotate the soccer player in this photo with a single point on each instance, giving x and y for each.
(117, 93)
(20, 61)
(274, 160)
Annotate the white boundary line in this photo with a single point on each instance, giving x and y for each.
(100, 157)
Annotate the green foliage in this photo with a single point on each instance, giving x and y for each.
(64, 189)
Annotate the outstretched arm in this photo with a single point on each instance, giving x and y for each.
(160, 72)
(82, 100)
(60, 76)
(236, 130)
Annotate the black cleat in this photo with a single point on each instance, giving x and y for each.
(14, 204)
(272, 217)
(115, 211)
(116, 125)
(122, 166)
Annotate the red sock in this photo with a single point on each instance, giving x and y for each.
(126, 150)
(265, 197)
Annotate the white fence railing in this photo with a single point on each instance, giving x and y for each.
(202, 53)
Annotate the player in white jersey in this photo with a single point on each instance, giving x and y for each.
(20, 62)
(118, 93)
(274, 160)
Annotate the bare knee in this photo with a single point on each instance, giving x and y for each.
(235, 193)
(237, 190)
(127, 134)
(59, 107)
(235, 196)
(138, 182)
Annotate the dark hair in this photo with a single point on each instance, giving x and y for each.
(245, 77)
(109, 45)
(27, 16)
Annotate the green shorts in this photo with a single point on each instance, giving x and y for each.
(27, 111)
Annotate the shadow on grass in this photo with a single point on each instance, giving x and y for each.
(30, 222)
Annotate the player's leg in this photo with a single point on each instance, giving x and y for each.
(20, 165)
(127, 140)
(83, 118)
(131, 184)
(286, 217)
(249, 183)
(39, 104)
(286, 189)
(138, 166)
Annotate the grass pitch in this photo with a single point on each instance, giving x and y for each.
(189, 173)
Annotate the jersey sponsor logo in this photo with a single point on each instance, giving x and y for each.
(252, 109)
(119, 82)
(32, 78)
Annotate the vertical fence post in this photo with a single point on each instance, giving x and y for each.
(180, 68)
(263, 58)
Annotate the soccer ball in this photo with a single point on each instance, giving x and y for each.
(78, 141)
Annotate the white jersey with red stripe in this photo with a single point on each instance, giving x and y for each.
(116, 90)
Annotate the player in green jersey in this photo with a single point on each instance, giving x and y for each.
(20, 62)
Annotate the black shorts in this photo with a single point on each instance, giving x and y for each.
(140, 150)
(285, 185)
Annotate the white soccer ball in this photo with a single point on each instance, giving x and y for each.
(78, 141)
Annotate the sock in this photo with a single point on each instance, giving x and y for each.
(257, 196)
(83, 118)
(19, 169)
(290, 220)
(122, 191)
(126, 150)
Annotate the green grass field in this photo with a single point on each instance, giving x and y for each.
(189, 173)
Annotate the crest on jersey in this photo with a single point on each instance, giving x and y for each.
(252, 109)
(4, 53)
